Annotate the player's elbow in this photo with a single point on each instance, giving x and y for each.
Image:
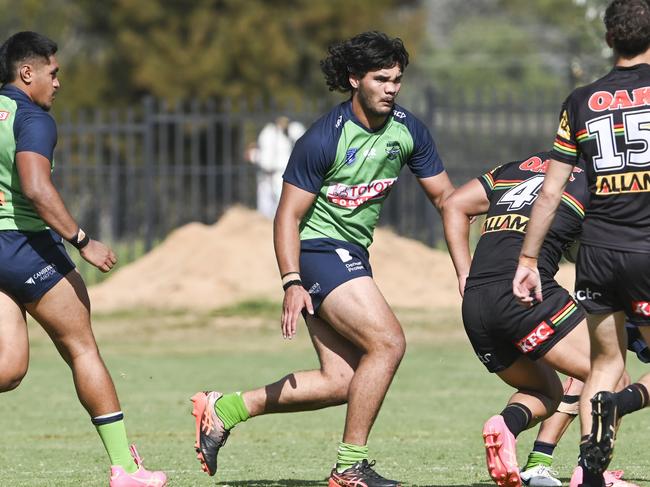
(35, 191)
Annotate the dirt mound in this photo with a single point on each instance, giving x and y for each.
(210, 266)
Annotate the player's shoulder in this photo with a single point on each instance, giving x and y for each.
(328, 127)
(600, 94)
(407, 118)
(523, 168)
(28, 115)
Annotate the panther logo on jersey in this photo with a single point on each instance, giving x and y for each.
(564, 130)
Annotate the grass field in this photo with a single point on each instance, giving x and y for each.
(427, 434)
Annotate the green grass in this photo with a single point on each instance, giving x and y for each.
(427, 434)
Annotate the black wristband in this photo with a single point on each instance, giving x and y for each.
(288, 273)
(294, 282)
(80, 240)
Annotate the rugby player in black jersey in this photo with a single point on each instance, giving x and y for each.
(523, 346)
(607, 124)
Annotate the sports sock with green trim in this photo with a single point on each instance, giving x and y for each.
(349, 454)
(112, 431)
(536, 458)
(231, 409)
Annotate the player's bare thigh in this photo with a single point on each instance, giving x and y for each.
(64, 313)
(332, 348)
(570, 355)
(358, 311)
(14, 343)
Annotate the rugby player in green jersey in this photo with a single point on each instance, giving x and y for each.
(337, 179)
(36, 273)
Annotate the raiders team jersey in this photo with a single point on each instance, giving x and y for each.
(607, 123)
(352, 169)
(512, 189)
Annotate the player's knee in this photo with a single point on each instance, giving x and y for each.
(73, 347)
(393, 348)
(11, 379)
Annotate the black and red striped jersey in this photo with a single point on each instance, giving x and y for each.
(512, 189)
(607, 123)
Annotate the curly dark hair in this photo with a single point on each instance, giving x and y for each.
(21, 47)
(365, 52)
(628, 26)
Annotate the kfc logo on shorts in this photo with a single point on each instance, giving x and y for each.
(641, 308)
(535, 338)
(4, 115)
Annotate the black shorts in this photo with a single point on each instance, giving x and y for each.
(31, 263)
(501, 330)
(610, 280)
(326, 263)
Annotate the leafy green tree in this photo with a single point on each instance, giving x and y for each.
(231, 48)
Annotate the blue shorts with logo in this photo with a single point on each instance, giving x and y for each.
(31, 263)
(326, 263)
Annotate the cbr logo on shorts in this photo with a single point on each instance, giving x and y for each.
(353, 196)
(535, 338)
(641, 308)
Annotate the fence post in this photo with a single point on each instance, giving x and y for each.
(148, 185)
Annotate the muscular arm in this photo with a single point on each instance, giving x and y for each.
(467, 201)
(527, 276)
(36, 184)
(293, 205)
(437, 188)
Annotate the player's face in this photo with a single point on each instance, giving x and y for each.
(44, 83)
(377, 90)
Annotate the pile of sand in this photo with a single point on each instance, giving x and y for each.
(210, 266)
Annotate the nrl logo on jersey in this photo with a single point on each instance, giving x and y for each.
(4, 115)
(392, 150)
(358, 194)
(350, 156)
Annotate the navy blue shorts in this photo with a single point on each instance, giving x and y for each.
(31, 263)
(326, 263)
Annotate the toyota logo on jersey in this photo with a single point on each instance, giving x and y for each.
(356, 195)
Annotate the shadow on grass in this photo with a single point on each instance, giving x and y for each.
(274, 483)
(481, 484)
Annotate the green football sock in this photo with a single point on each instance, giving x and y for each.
(231, 410)
(113, 435)
(349, 454)
(536, 458)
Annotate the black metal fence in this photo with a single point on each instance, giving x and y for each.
(131, 176)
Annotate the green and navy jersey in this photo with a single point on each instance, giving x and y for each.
(24, 126)
(607, 123)
(352, 169)
(512, 189)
